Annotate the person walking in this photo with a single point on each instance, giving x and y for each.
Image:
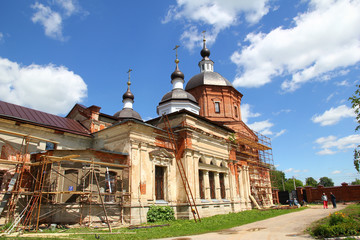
(325, 200)
(333, 199)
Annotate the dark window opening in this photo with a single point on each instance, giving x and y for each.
(222, 185)
(159, 182)
(201, 185)
(212, 185)
(236, 111)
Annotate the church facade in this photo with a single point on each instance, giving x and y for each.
(112, 168)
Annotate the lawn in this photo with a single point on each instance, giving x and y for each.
(179, 227)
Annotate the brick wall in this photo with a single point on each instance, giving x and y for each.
(343, 193)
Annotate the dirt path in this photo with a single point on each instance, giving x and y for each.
(288, 226)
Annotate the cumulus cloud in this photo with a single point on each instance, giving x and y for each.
(246, 112)
(52, 20)
(49, 88)
(323, 42)
(333, 115)
(332, 145)
(218, 14)
(262, 127)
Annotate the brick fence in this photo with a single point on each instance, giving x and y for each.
(343, 193)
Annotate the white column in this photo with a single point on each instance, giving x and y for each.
(217, 186)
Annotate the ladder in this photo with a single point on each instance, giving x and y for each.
(178, 151)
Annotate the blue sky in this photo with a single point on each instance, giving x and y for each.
(295, 62)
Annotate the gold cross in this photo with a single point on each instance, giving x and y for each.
(203, 32)
(175, 48)
(129, 75)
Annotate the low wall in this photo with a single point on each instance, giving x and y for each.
(343, 193)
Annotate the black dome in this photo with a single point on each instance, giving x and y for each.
(205, 52)
(128, 94)
(177, 74)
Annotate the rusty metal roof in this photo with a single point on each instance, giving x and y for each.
(27, 115)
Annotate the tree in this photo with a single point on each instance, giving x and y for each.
(310, 181)
(277, 179)
(355, 101)
(356, 182)
(326, 182)
(289, 184)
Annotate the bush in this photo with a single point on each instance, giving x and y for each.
(337, 218)
(160, 213)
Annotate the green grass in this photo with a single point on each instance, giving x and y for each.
(184, 227)
(342, 223)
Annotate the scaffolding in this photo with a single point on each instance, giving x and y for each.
(257, 152)
(90, 196)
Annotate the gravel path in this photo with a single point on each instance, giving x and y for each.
(289, 226)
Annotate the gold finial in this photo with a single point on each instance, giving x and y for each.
(175, 48)
(203, 32)
(129, 83)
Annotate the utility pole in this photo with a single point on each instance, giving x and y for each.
(294, 183)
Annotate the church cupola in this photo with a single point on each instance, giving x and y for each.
(177, 98)
(206, 64)
(128, 99)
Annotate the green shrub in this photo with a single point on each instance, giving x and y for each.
(337, 218)
(160, 213)
(323, 231)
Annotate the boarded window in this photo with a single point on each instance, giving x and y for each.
(70, 184)
(201, 185)
(212, 185)
(110, 186)
(222, 185)
(159, 182)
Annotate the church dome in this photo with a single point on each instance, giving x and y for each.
(127, 113)
(178, 94)
(207, 78)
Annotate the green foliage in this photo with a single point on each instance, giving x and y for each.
(337, 218)
(356, 182)
(277, 178)
(310, 181)
(289, 184)
(355, 101)
(326, 182)
(160, 213)
(344, 223)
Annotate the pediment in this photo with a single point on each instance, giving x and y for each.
(161, 153)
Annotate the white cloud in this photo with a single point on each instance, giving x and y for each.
(280, 133)
(1, 36)
(282, 111)
(333, 115)
(48, 88)
(288, 170)
(262, 127)
(331, 144)
(218, 14)
(343, 83)
(323, 41)
(336, 172)
(246, 112)
(50, 20)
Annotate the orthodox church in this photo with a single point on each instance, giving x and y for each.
(198, 157)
